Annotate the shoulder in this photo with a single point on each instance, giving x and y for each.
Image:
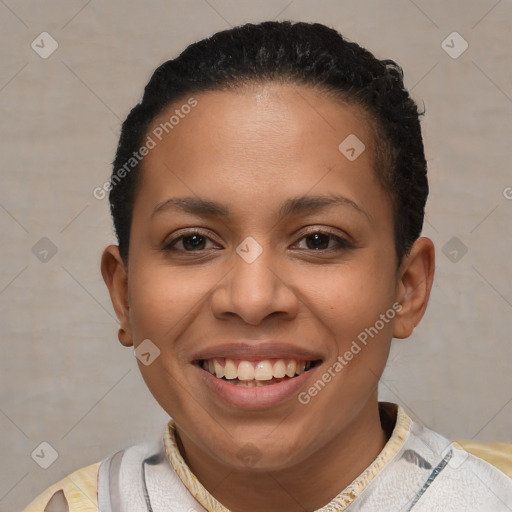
(463, 479)
(435, 473)
(77, 492)
(497, 454)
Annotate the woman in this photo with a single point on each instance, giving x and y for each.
(268, 197)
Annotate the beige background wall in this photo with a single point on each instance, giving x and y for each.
(65, 379)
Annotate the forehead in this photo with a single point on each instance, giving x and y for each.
(263, 141)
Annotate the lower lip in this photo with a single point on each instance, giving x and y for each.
(254, 398)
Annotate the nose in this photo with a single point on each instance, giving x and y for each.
(254, 290)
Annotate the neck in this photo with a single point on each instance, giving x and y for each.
(309, 485)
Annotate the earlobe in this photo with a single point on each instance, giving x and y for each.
(114, 274)
(415, 283)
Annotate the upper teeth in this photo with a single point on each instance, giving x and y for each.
(255, 370)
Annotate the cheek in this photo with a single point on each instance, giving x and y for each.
(354, 307)
(164, 301)
(351, 297)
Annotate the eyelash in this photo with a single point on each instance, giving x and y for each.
(343, 243)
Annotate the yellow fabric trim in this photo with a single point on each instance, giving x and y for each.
(338, 504)
(497, 454)
(80, 490)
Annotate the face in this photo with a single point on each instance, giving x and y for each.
(257, 247)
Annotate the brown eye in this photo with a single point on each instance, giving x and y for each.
(322, 241)
(193, 242)
(318, 241)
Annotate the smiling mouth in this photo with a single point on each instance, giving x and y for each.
(256, 373)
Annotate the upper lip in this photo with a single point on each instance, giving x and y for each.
(256, 351)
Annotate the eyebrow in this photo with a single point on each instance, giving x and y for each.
(292, 206)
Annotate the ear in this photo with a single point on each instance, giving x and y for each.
(115, 275)
(416, 275)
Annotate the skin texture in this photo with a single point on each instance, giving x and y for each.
(252, 149)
